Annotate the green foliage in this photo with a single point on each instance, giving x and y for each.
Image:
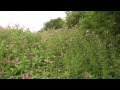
(90, 51)
(54, 24)
(101, 21)
(73, 17)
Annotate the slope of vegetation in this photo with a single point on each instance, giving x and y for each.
(84, 51)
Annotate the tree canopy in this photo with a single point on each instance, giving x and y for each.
(54, 24)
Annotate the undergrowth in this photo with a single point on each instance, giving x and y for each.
(70, 54)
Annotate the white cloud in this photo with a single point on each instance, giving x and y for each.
(30, 19)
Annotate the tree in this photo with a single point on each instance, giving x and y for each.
(72, 18)
(54, 24)
(101, 21)
(106, 24)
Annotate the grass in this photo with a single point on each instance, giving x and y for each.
(56, 54)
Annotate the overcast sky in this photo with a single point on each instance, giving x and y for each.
(29, 19)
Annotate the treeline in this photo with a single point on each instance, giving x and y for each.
(100, 22)
(71, 19)
(109, 20)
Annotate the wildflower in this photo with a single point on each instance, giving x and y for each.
(1, 72)
(26, 75)
(30, 55)
(87, 31)
(109, 46)
(17, 60)
(46, 69)
(22, 45)
(66, 28)
(46, 60)
(31, 72)
(23, 77)
(11, 61)
(86, 74)
(8, 60)
(58, 70)
(25, 40)
(16, 26)
(8, 28)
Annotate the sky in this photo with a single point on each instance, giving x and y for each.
(34, 20)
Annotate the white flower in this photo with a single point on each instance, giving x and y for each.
(87, 31)
(58, 70)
